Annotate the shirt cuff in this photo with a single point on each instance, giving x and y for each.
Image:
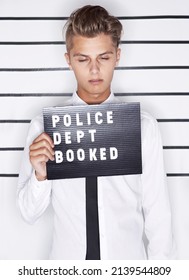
(40, 186)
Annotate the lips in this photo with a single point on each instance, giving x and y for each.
(95, 81)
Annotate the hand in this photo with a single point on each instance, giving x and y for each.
(41, 151)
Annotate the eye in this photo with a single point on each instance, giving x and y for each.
(104, 57)
(82, 60)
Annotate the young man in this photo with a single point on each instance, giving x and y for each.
(128, 206)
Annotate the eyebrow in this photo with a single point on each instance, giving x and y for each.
(84, 55)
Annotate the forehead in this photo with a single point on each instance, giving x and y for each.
(99, 44)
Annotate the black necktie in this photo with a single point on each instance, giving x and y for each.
(92, 225)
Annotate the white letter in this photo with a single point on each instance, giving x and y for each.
(80, 134)
(80, 154)
(68, 137)
(109, 117)
(103, 153)
(56, 138)
(70, 155)
(55, 119)
(88, 119)
(78, 122)
(58, 156)
(67, 120)
(113, 153)
(92, 155)
(97, 120)
(92, 132)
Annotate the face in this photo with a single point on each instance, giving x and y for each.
(93, 61)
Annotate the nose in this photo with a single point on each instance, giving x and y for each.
(94, 67)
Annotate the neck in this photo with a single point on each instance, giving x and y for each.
(94, 98)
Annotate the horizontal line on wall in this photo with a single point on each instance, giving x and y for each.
(7, 149)
(12, 149)
(34, 69)
(9, 175)
(32, 18)
(116, 94)
(173, 120)
(168, 175)
(153, 17)
(122, 42)
(33, 43)
(167, 67)
(15, 121)
(155, 42)
(159, 120)
(177, 174)
(35, 94)
(153, 94)
(119, 17)
(152, 67)
(176, 147)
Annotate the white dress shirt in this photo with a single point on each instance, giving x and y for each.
(129, 205)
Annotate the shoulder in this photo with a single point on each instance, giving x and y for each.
(36, 128)
(37, 122)
(147, 119)
(149, 127)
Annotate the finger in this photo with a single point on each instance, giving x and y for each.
(39, 159)
(42, 151)
(42, 144)
(44, 136)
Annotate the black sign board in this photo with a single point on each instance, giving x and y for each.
(94, 140)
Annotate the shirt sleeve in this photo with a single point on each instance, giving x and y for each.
(155, 196)
(33, 196)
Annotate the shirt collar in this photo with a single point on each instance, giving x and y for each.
(76, 100)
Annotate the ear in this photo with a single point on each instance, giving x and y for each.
(67, 57)
(118, 54)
